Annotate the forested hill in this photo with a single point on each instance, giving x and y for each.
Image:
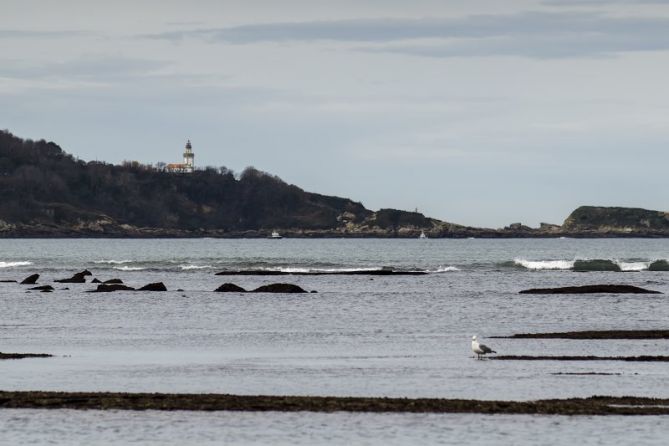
(46, 191)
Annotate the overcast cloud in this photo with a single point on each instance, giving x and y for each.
(476, 112)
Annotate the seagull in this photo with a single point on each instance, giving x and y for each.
(480, 349)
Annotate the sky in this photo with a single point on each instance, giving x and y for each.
(478, 112)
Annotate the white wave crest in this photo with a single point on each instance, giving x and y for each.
(545, 264)
(446, 269)
(129, 268)
(13, 264)
(189, 267)
(633, 266)
(112, 262)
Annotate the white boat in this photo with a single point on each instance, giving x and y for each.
(275, 235)
(422, 234)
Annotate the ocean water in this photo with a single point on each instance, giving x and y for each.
(405, 336)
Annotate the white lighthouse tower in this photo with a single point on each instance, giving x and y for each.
(189, 158)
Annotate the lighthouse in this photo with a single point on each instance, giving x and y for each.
(188, 166)
(189, 158)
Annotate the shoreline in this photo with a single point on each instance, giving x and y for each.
(594, 405)
(324, 235)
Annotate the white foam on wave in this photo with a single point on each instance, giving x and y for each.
(190, 267)
(545, 264)
(633, 266)
(13, 264)
(129, 268)
(446, 269)
(296, 269)
(112, 262)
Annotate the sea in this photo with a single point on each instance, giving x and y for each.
(357, 335)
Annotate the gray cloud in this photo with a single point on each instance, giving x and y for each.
(602, 2)
(90, 67)
(528, 34)
(32, 34)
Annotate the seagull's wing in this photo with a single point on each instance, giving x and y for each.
(486, 349)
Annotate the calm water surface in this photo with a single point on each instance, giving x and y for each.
(359, 335)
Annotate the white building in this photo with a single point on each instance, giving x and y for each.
(189, 162)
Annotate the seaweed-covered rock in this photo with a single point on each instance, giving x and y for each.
(77, 278)
(591, 289)
(230, 288)
(104, 288)
(30, 280)
(158, 286)
(279, 288)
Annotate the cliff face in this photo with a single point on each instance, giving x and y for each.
(616, 220)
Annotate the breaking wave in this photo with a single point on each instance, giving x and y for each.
(190, 267)
(588, 265)
(544, 264)
(112, 262)
(445, 269)
(13, 264)
(129, 268)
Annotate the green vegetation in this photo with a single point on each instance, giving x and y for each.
(616, 219)
(43, 185)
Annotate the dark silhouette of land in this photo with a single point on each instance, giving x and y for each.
(47, 192)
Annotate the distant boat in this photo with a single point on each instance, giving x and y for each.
(275, 235)
(422, 235)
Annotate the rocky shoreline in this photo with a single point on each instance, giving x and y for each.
(596, 405)
(27, 231)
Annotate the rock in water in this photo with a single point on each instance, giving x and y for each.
(230, 288)
(591, 289)
(30, 280)
(158, 286)
(279, 288)
(46, 288)
(103, 288)
(77, 278)
(96, 280)
(112, 281)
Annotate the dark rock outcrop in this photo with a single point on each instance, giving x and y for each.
(24, 355)
(230, 288)
(7, 281)
(279, 288)
(616, 220)
(158, 286)
(385, 271)
(77, 278)
(112, 281)
(45, 288)
(103, 288)
(592, 289)
(96, 280)
(30, 280)
(593, 334)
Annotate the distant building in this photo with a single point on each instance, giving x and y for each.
(189, 161)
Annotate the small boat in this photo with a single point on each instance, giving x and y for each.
(422, 235)
(275, 235)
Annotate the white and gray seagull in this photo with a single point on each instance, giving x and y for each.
(480, 349)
